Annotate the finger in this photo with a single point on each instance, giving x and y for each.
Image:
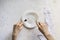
(20, 26)
(43, 24)
(21, 23)
(38, 24)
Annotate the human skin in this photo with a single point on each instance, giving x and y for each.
(16, 29)
(42, 27)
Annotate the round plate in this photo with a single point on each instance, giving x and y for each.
(29, 19)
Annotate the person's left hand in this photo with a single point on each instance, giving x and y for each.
(19, 25)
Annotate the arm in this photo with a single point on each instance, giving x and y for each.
(44, 30)
(17, 27)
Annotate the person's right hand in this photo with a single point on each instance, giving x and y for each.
(43, 28)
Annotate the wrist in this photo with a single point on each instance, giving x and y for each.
(46, 33)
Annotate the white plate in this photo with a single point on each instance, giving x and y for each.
(29, 19)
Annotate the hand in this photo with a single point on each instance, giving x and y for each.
(19, 25)
(43, 28)
(16, 29)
